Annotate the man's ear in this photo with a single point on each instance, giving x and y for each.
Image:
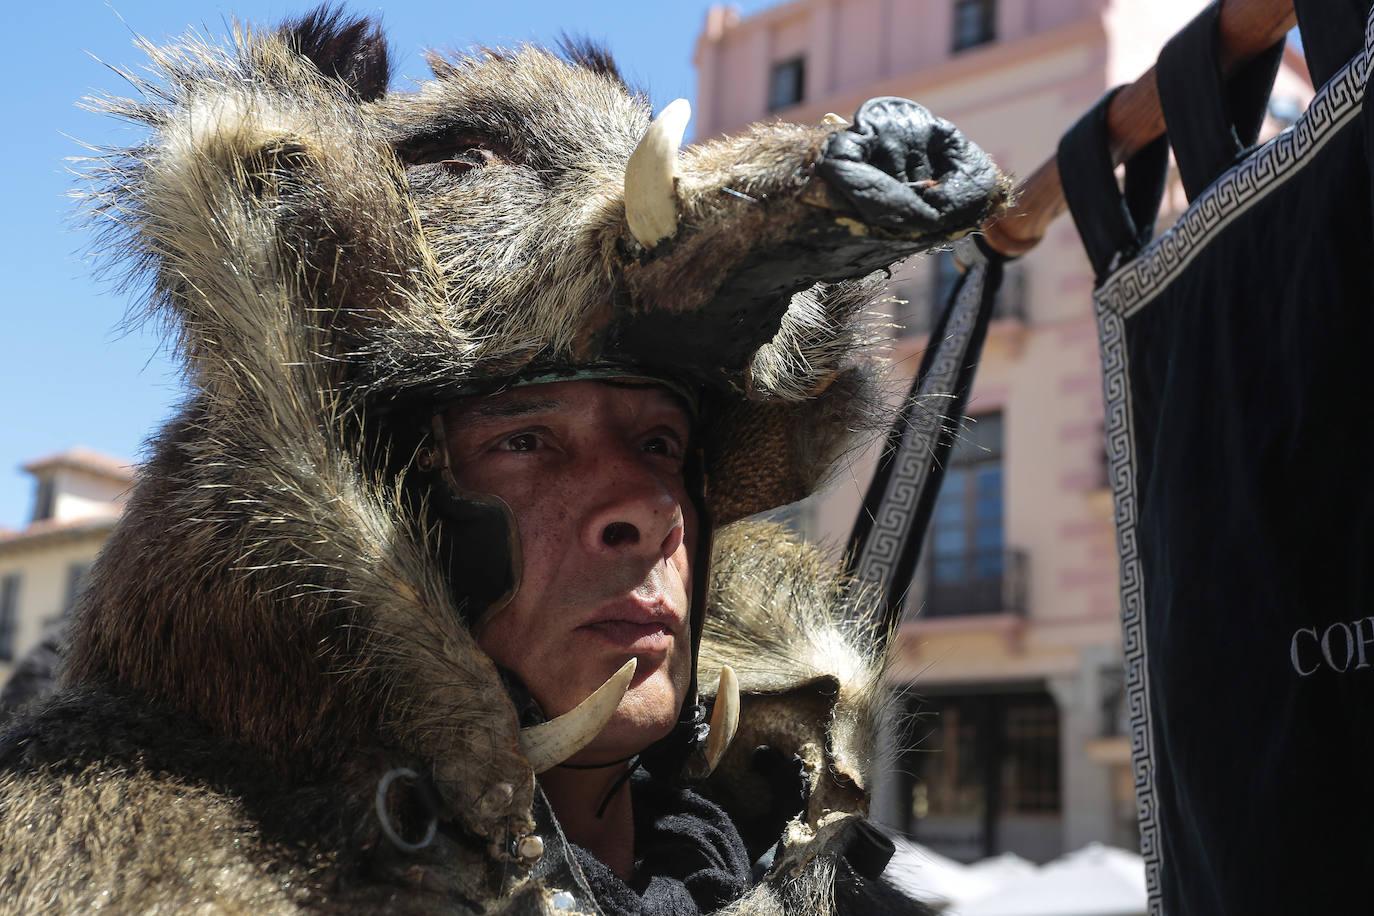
(352, 51)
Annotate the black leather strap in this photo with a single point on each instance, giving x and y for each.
(1210, 119)
(1113, 223)
(557, 869)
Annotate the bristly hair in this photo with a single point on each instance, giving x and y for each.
(594, 56)
(350, 50)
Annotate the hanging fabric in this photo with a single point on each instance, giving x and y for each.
(1235, 353)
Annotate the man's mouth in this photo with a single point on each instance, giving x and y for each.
(633, 636)
(636, 627)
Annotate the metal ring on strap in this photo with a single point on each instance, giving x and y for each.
(384, 813)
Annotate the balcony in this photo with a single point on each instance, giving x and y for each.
(987, 583)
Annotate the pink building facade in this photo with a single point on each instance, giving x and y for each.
(1011, 649)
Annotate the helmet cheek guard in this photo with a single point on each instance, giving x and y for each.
(479, 541)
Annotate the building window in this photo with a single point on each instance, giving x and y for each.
(947, 274)
(951, 781)
(786, 83)
(975, 23)
(968, 570)
(43, 501)
(9, 614)
(76, 578)
(919, 303)
(1030, 770)
(982, 763)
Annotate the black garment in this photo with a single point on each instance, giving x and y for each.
(689, 857)
(1236, 370)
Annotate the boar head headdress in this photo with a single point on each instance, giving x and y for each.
(336, 259)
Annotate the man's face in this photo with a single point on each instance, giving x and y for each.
(593, 475)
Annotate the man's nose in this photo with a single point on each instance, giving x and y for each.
(636, 512)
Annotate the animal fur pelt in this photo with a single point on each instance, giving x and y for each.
(272, 629)
(115, 774)
(801, 638)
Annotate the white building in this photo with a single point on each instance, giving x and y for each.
(78, 496)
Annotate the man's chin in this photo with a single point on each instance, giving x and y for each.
(647, 714)
(613, 750)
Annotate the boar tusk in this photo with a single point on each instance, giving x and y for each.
(550, 743)
(651, 176)
(724, 718)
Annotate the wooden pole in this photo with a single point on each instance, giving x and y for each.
(1134, 118)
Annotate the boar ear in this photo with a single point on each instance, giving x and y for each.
(584, 52)
(351, 51)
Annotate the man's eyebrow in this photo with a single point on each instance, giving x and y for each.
(505, 409)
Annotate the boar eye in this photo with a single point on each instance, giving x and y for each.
(457, 155)
(456, 162)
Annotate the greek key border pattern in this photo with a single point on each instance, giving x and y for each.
(1125, 293)
(911, 471)
(1121, 464)
(1134, 285)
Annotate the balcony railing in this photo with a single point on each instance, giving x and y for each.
(993, 582)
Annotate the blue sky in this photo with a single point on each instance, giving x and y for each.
(71, 371)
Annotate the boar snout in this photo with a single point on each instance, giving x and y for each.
(904, 169)
(772, 211)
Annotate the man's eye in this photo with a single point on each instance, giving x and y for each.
(520, 442)
(663, 445)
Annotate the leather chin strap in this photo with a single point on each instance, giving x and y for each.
(668, 757)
